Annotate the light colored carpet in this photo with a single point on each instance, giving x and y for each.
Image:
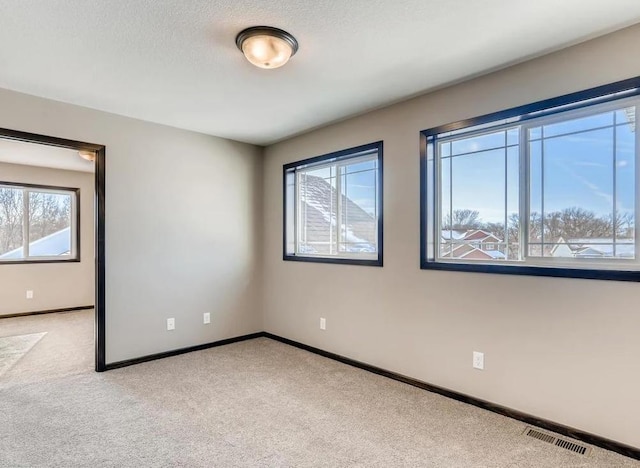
(259, 403)
(12, 348)
(66, 346)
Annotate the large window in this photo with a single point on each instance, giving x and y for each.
(333, 207)
(38, 224)
(547, 189)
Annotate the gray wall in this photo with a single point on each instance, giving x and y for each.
(54, 285)
(561, 349)
(182, 226)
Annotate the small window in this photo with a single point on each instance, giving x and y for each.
(38, 224)
(333, 207)
(545, 189)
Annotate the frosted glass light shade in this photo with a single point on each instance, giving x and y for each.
(88, 155)
(266, 51)
(266, 47)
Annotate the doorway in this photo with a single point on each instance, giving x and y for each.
(32, 252)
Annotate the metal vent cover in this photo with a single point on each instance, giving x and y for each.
(561, 442)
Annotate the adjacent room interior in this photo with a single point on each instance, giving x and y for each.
(311, 234)
(47, 199)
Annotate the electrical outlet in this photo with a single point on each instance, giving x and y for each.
(171, 324)
(478, 360)
(206, 317)
(29, 294)
(323, 323)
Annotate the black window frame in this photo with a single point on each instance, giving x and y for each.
(75, 192)
(577, 100)
(345, 154)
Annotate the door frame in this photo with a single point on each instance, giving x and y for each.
(100, 150)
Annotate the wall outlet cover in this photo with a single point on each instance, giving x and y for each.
(478, 360)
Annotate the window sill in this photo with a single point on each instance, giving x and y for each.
(25, 262)
(614, 275)
(335, 260)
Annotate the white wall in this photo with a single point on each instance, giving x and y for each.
(561, 349)
(55, 285)
(182, 226)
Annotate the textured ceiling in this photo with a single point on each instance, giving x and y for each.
(175, 62)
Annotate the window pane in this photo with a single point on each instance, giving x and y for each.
(430, 238)
(535, 195)
(511, 246)
(478, 143)
(478, 191)
(535, 133)
(11, 219)
(318, 212)
(358, 225)
(290, 211)
(372, 164)
(445, 149)
(50, 217)
(579, 187)
(581, 124)
(625, 168)
(446, 210)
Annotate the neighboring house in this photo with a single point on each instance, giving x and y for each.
(469, 252)
(472, 244)
(482, 239)
(594, 248)
(58, 243)
(319, 216)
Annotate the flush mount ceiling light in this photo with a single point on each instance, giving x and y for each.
(267, 47)
(88, 155)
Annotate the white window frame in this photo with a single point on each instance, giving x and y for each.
(27, 189)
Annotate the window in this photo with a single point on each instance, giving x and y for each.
(333, 207)
(544, 189)
(38, 224)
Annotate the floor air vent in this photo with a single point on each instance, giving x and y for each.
(557, 441)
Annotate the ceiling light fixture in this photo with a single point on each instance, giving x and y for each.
(266, 47)
(88, 155)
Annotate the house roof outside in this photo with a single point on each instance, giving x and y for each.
(480, 235)
(495, 254)
(58, 243)
(470, 252)
(470, 244)
(596, 248)
(468, 235)
(319, 210)
(453, 234)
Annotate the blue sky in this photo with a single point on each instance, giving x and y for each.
(361, 185)
(578, 169)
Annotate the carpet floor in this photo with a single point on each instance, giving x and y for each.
(258, 403)
(34, 348)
